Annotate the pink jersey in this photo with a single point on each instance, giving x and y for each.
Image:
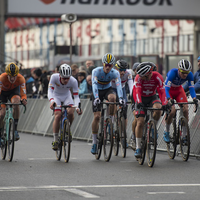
(145, 88)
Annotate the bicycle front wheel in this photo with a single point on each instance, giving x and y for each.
(171, 147)
(11, 139)
(3, 143)
(116, 139)
(151, 143)
(108, 139)
(67, 138)
(59, 151)
(122, 133)
(184, 140)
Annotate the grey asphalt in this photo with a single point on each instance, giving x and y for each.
(35, 173)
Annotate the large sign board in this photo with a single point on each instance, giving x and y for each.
(171, 9)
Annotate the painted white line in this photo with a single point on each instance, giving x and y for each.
(47, 158)
(82, 193)
(165, 192)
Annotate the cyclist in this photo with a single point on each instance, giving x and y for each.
(147, 82)
(101, 87)
(174, 90)
(12, 88)
(59, 92)
(126, 77)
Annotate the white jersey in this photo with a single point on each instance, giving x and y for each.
(58, 92)
(126, 78)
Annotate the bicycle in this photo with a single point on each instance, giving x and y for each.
(64, 136)
(120, 132)
(8, 135)
(105, 135)
(176, 136)
(149, 138)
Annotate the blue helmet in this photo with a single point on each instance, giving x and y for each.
(198, 59)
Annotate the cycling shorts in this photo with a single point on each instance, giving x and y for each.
(178, 94)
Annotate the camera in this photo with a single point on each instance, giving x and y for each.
(68, 18)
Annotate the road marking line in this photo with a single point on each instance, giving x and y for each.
(47, 158)
(82, 193)
(165, 192)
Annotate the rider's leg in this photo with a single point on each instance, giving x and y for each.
(56, 124)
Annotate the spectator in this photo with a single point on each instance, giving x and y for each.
(196, 80)
(90, 66)
(89, 83)
(82, 84)
(44, 83)
(82, 68)
(75, 70)
(134, 69)
(36, 75)
(57, 69)
(30, 84)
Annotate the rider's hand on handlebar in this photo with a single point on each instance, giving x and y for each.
(140, 105)
(196, 101)
(170, 102)
(53, 105)
(166, 107)
(24, 101)
(96, 102)
(122, 101)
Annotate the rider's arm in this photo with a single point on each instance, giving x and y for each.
(118, 84)
(190, 79)
(130, 83)
(138, 89)
(23, 88)
(75, 93)
(94, 83)
(168, 83)
(51, 88)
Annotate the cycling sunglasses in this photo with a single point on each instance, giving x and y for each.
(108, 65)
(122, 70)
(184, 72)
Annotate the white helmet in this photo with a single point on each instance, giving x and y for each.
(185, 65)
(65, 71)
(108, 58)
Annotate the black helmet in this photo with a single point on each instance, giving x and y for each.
(121, 64)
(135, 66)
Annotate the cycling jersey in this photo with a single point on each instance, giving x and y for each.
(173, 81)
(58, 92)
(127, 77)
(144, 88)
(6, 85)
(102, 81)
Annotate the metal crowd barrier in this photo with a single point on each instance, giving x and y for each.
(38, 119)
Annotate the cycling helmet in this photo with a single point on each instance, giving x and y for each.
(198, 59)
(184, 65)
(135, 66)
(143, 69)
(121, 64)
(12, 69)
(108, 58)
(65, 71)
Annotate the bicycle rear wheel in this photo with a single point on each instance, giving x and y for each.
(151, 143)
(143, 146)
(171, 147)
(116, 139)
(184, 141)
(11, 139)
(122, 133)
(108, 139)
(67, 138)
(3, 143)
(59, 151)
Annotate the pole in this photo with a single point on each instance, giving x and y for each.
(70, 26)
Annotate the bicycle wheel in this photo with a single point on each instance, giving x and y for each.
(11, 139)
(116, 139)
(171, 147)
(59, 151)
(151, 143)
(100, 139)
(3, 143)
(143, 146)
(108, 139)
(184, 141)
(122, 133)
(66, 140)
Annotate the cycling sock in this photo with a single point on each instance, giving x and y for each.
(55, 135)
(138, 143)
(16, 122)
(94, 138)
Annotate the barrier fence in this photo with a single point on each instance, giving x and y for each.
(38, 119)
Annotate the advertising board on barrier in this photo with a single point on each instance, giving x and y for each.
(106, 8)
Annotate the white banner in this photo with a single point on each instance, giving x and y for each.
(106, 8)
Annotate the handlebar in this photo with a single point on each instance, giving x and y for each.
(14, 104)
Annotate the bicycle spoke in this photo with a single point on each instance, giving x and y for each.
(122, 133)
(11, 139)
(67, 138)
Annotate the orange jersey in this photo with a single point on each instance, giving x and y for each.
(6, 85)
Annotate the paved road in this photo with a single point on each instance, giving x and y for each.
(35, 174)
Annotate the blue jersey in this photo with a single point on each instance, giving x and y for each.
(174, 80)
(102, 81)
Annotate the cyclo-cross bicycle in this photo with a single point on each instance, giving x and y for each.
(120, 135)
(8, 134)
(149, 138)
(64, 137)
(105, 135)
(176, 134)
